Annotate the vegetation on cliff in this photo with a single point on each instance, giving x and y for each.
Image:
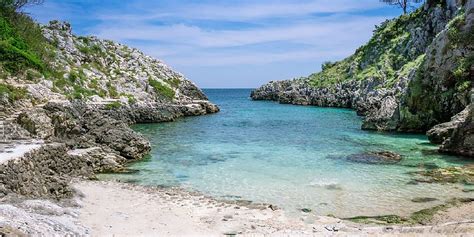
(443, 81)
(414, 73)
(43, 62)
(407, 44)
(22, 45)
(395, 45)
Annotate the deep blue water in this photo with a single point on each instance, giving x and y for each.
(291, 156)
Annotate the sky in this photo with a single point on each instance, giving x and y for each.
(228, 44)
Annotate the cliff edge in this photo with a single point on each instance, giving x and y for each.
(415, 72)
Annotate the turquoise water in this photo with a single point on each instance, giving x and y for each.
(291, 156)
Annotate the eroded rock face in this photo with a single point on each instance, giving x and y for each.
(85, 139)
(47, 172)
(37, 123)
(82, 140)
(461, 139)
(428, 90)
(380, 106)
(375, 95)
(111, 70)
(441, 132)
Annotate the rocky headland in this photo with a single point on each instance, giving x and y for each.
(414, 75)
(78, 108)
(66, 104)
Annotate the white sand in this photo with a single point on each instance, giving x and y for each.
(112, 209)
(116, 209)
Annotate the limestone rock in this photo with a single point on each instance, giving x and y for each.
(433, 85)
(461, 140)
(37, 123)
(439, 133)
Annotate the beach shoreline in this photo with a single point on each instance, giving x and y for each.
(111, 208)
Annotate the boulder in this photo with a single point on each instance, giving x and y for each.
(461, 139)
(439, 133)
(37, 123)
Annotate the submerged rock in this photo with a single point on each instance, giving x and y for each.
(463, 174)
(424, 199)
(333, 187)
(306, 210)
(379, 157)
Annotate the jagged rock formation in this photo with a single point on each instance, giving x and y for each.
(457, 135)
(79, 97)
(416, 72)
(98, 71)
(91, 69)
(80, 141)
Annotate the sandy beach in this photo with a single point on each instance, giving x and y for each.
(106, 208)
(117, 209)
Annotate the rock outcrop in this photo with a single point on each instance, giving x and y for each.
(416, 72)
(47, 172)
(80, 103)
(98, 71)
(457, 135)
(441, 132)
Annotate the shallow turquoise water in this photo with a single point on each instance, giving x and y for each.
(291, 156)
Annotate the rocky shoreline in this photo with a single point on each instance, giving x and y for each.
(65, 125)
(79, 141)
(78, 110)
(418, 96)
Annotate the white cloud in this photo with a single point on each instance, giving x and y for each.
(186, 45)
(313, 32)
(225, 34)
(246, 11)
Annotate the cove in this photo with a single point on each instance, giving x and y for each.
(292, 156)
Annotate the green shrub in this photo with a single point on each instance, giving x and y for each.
(131, 98)
(22, 44)
(326, 65)
(85, 40)
(60, 83)
(31, 75)
(161, 89)
(112, 90)
(174, 82)
(380, 58)
(80, 93)
(15, 60)
(12, 93)
(91, 50)
(113, 105)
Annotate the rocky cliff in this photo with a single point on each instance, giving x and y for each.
(77, 96)
(94, 70)
(414, 73)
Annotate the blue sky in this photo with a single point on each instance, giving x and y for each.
(228, 44)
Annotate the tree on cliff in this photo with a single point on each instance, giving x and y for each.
(403, 4)
(18, 4)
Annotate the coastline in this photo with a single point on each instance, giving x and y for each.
(109, 208)
(77, 125)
